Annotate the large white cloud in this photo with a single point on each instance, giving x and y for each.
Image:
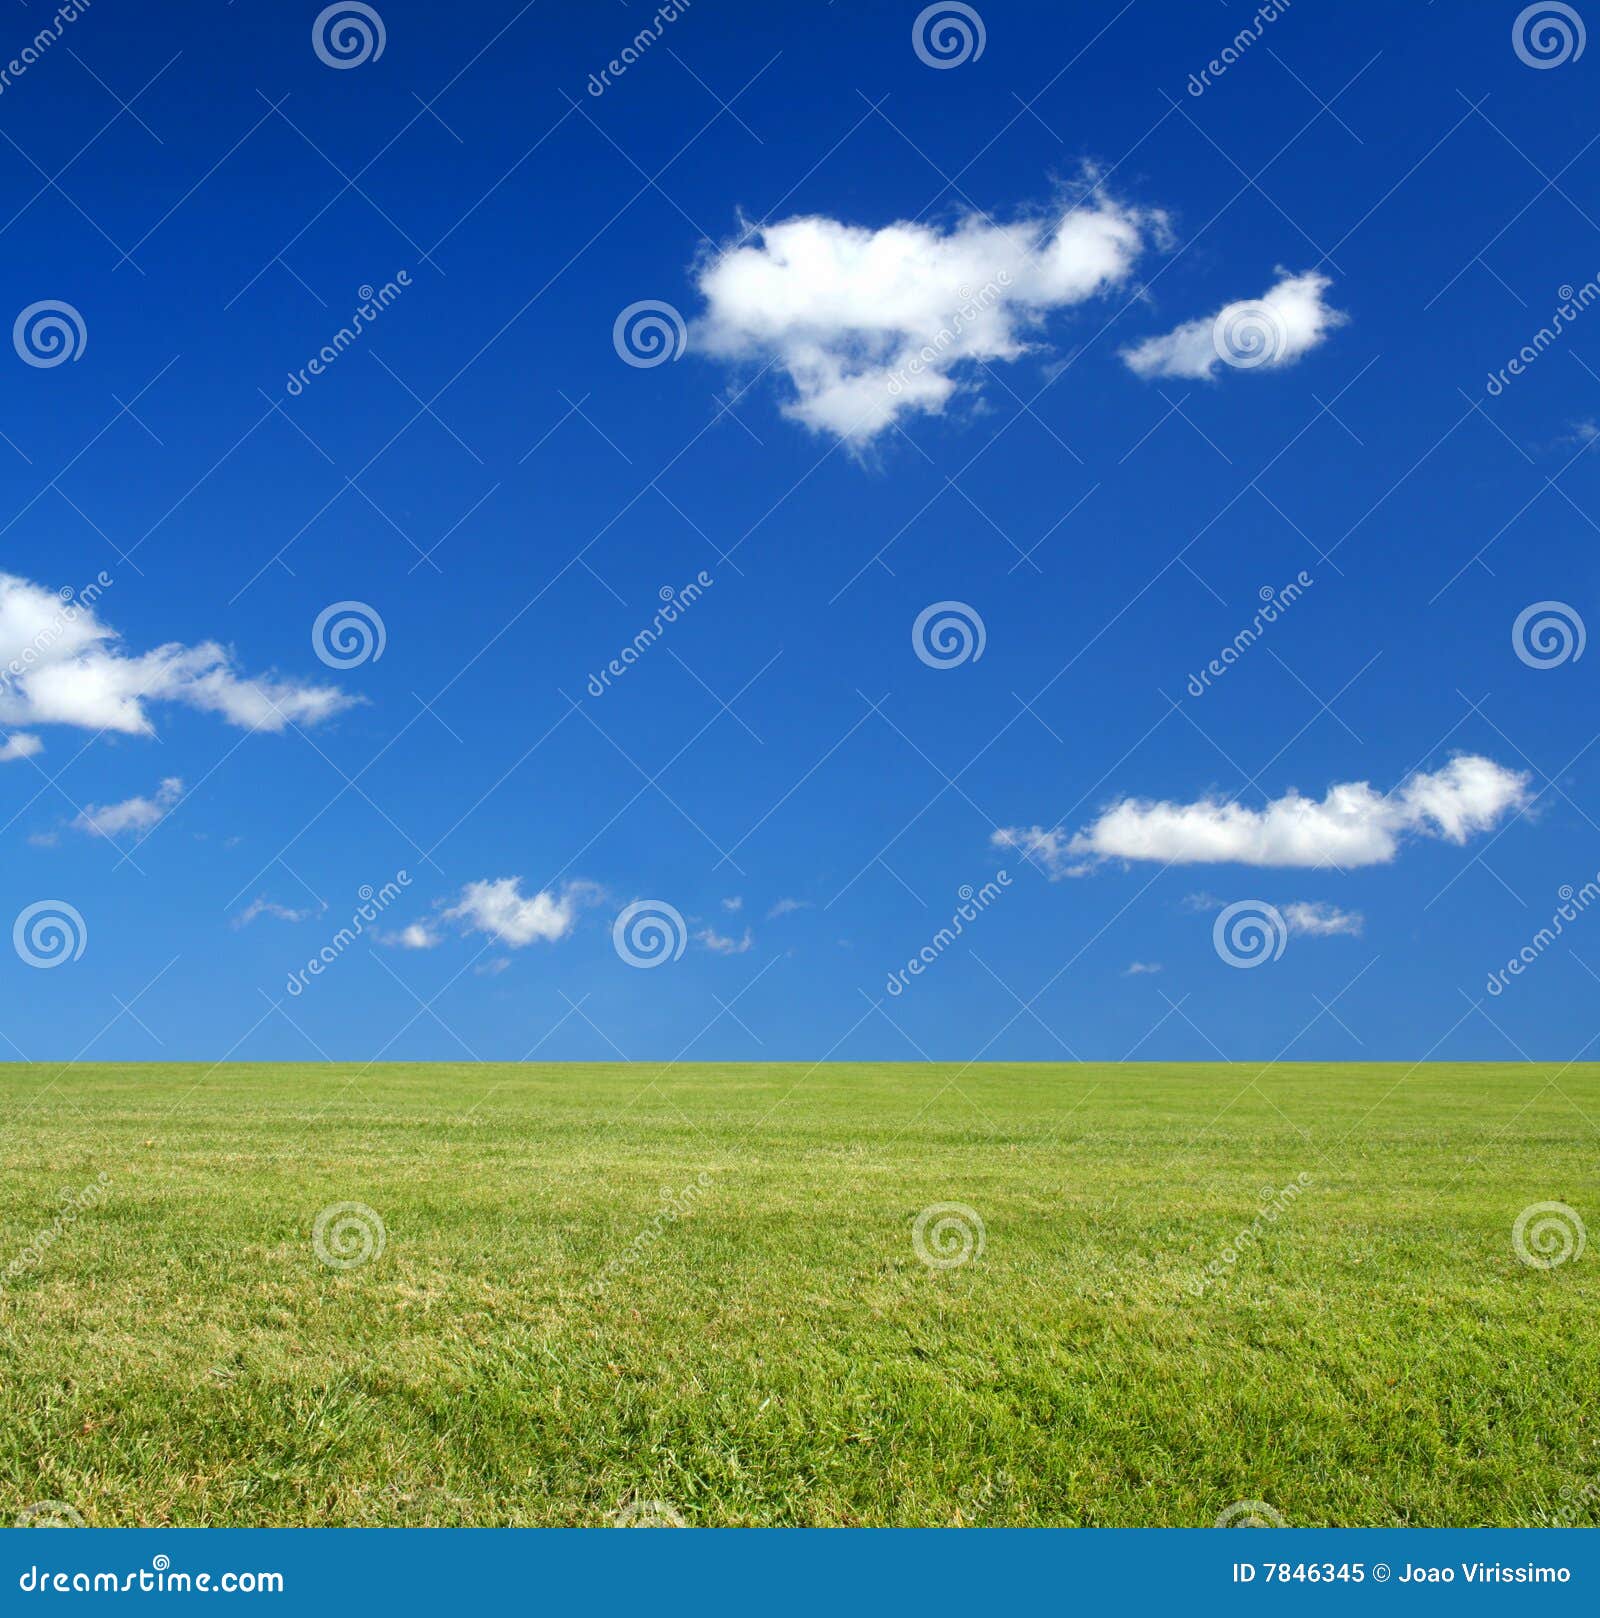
(870, 324)
(500, 909)
(1351, 825)
(61, 665)
(1259, 334)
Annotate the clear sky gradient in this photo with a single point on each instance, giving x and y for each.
(486, 470)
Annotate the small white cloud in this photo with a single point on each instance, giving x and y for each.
(1322, 920)
(501, 910)
(719, 944)
(267, 907)
(787, 907)
(132, 814)
(60, 665)
(733, 905)
(416, 935)
(1139, 969)
(1275, 330)
(1352, 825)
(19, 744)
(868, 325)
(43, 839)
(492, 968)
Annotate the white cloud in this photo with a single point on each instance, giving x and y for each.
(1272, 331)
(132, 814)
(1322, 920)
(19, 745)
(1351, 825)
(267, 907)
(868, 325)
(787, 907)
(500, 909)
(720, 944)
(1139, 969)
(733, 906)
(60, 665)
(415, 935)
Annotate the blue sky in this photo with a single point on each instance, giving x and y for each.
(482, 471)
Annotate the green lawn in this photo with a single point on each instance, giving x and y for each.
(521, 1352)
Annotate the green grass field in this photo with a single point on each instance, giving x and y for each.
(522, 1352)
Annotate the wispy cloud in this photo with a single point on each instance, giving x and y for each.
(132, 814)
(1322, 920)
(720, 944)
